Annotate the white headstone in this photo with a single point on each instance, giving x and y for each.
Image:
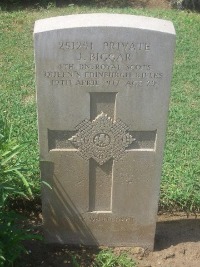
(103, 85)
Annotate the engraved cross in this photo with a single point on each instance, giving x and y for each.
(101, 140)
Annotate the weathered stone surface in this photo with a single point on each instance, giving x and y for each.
(102, 91)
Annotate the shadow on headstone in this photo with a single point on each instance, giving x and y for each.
(62, 213)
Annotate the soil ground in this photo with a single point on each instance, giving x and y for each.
(177, 244)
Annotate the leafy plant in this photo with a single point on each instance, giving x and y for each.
(74, 261)
(106, 258)
(13, 182)
(11, 237)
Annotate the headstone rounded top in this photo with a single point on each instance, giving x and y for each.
(103, 20)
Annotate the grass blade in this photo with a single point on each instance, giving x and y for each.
(25, 182)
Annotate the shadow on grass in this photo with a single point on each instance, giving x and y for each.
(16, 5)
(170, 233)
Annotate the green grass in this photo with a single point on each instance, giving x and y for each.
(180, 179)
(107, 258)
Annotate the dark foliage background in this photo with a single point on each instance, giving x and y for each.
(193, 5)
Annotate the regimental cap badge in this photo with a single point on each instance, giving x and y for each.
(102, 138)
